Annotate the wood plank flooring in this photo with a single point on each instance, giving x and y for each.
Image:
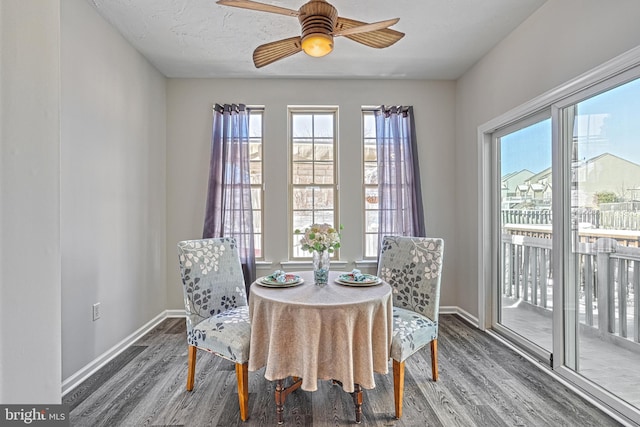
(482, 383)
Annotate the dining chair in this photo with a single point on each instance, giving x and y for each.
(215, 302)
(413, 268)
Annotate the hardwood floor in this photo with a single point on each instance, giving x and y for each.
(481, 383)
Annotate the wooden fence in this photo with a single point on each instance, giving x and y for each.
(604, 219)
(608, 277)
(525, 216)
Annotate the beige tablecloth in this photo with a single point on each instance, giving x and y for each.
(331, 332)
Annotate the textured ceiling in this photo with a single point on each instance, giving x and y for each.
(199, 38)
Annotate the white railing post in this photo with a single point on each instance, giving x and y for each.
(636, 301)
(623, 289)
(544, 276)
(605, 283)
(588, 288)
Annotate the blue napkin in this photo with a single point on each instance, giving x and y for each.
(279, 276)
(358, 276)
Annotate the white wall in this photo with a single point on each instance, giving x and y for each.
(30, 206)
(561, 40)
(113, 194)
(189, 119)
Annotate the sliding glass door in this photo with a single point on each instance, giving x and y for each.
(601, 134)
(565, 237)
(525, 300)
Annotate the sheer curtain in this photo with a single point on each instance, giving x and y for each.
(228, 210)
(399, 192)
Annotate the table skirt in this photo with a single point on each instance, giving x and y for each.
(334, 339)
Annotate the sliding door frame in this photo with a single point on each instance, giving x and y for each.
(567, 366)
(623, 68)
(495, 321)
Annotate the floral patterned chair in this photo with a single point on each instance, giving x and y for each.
(413, 268)
(215, 302)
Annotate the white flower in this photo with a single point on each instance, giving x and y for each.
(320, 237)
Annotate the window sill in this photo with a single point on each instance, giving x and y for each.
(308, 265)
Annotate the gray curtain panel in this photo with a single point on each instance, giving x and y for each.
(228, 210)
(399, 191)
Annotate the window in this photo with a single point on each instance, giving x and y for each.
(370, 180)
(257, 188)
(314, 185)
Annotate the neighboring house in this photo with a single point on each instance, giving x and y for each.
(606, 172)
(511, 185)
(536, 191)
(542, 177)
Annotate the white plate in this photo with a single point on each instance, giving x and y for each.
(268, 282)
(343, 279)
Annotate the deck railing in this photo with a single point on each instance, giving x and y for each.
(612, 216)
(608, 277)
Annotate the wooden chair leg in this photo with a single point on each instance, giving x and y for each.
(357, 400)
(434, 359)
(242, 374)
(191, 370)
(279, 397)
(398, 386)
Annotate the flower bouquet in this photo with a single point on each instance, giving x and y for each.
(321, 240)
(320, 237)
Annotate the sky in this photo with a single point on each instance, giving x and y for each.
(606, 123)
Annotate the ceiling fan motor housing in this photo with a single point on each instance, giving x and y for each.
(318, 19)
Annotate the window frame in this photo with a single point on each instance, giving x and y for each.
(312, 110)
(525, 122)
(258, 186)
(368, 111)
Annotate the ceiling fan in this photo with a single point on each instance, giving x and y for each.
(320, 24)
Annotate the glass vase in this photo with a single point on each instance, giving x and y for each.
(321, 264)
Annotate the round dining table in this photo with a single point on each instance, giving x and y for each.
(339, 332)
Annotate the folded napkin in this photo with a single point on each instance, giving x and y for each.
(358, 276)
(278, 276)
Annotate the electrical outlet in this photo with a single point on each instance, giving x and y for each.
(96, 311)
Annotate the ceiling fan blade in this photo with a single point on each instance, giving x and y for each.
(378, 38)
(366, 27)
(262, 7)
(271, 52)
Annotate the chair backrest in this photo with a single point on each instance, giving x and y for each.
(212, 277)
(413, 268)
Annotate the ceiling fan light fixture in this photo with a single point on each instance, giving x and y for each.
(317, 44)
(320, 23)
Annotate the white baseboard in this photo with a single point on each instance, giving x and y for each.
(454, 309)
(175, 313)
(76, 379)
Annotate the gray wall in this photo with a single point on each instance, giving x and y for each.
(560, 41)
(189, 103)
(83, 179)
(113, 190)
(30, 204)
